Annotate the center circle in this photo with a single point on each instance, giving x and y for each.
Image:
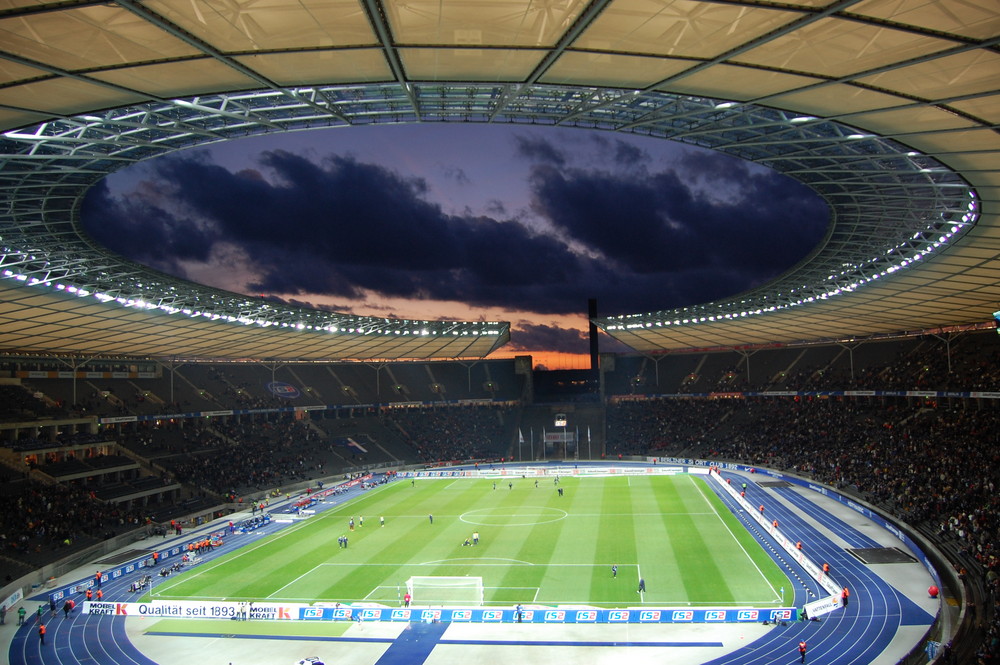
(503, 516)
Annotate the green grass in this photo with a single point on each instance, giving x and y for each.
(535, 547)
(269, 628)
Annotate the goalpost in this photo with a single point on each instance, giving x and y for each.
(441, 590)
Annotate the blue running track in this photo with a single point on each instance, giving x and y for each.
(854, 636)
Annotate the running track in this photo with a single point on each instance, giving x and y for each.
(854, 636)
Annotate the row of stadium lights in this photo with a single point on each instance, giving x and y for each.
(967, 219)
(142, 304)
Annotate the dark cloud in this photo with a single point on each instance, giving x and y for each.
(694, 245)
(343, 227)
(535, 150)
(634, 237)
(295, 302)
(136, 227)
(527, 336)
(456, 174)
(496, 207)
(713, 167)
(628, 154)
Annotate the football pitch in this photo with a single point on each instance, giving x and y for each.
(535, 548)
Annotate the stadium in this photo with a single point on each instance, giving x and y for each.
(848, 406)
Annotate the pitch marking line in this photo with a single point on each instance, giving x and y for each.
(308, 572)
(477, 562)
(701, 490)
(488, 517)
(244, 550)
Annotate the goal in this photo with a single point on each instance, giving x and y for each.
(445, 590)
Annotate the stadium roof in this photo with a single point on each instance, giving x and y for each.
(887, 109)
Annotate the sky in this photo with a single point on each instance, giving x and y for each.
(468, 222)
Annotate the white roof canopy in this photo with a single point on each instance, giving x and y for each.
(889, 110)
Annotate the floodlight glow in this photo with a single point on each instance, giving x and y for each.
(900, 256)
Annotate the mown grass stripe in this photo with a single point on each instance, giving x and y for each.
(531, 538)
(616, 546)
(656, 555)
(755, 565)
(703, 578)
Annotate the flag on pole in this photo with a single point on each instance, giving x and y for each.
(520, 435)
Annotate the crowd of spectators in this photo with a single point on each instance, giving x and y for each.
(454, 433)
(231, 458)
(240, 393)
(931, 464)
(19, 404)
(966, 367)
(41, 520)
(170, 438)
(639, 427)
(27, 442)
(968, 362)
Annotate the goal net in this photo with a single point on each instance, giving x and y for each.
(445, 590)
